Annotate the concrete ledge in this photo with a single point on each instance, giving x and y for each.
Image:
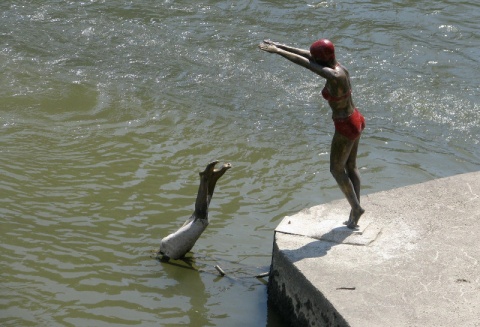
(415, 260)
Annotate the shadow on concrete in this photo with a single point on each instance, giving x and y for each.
(321, 246)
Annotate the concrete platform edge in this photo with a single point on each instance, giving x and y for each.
(294, 296)
(429, 269)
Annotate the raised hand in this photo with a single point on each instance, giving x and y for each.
(268, 41)
(268, 47)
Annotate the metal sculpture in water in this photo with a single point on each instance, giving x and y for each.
(178, 244)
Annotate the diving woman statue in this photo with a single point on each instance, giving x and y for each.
(176, 245)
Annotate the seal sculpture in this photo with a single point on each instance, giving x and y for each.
(178, 244)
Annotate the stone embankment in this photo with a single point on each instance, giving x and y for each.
(414, 261)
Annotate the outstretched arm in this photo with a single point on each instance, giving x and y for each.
(299, 59)
(302, 52)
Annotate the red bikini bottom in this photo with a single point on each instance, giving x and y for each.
(352, 126)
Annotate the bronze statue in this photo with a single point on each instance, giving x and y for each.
(178, 244)
(349, 122)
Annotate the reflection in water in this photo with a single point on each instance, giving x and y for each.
(197, 277)
(189, 285)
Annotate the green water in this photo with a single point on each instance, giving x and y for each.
(109, 109)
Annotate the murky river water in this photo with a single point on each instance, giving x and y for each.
(109, 109)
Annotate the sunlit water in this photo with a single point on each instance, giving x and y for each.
(109, 109)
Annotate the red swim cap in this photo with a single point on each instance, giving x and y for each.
(323, 50)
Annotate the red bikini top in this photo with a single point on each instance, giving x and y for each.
(327, 96)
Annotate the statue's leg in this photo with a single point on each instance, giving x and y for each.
(217, 173)
(176, 245)
(354, 176)
(208, 180)
(201, 204)
(340, 153)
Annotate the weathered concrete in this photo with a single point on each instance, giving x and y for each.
(415, 260)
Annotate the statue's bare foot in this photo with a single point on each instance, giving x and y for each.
(350, 219)
(356, 214)
(222, 169)
(209, 169)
